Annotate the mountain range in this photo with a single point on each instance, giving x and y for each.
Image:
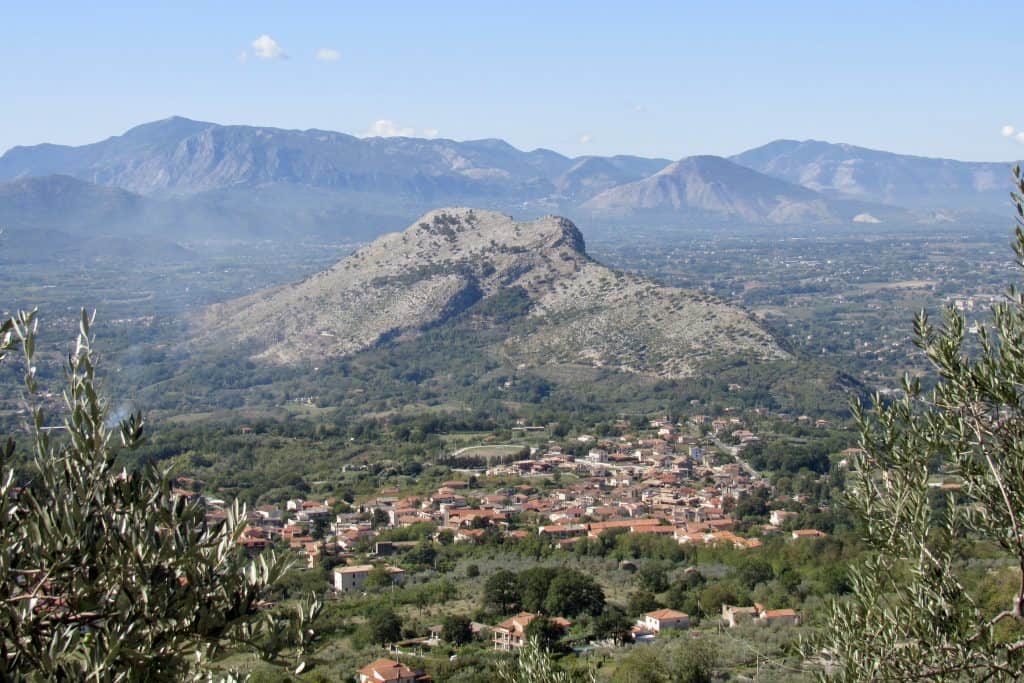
(711, 188)
(559, 306)
(838, 170)
(202, 181)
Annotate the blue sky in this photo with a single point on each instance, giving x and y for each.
(667, 79)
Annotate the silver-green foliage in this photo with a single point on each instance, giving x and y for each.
(534, 664)
(107, 575)
(910, 616)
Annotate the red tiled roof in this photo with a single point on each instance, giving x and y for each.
(667, 614)
(387, 670)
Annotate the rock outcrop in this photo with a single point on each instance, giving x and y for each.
(453, 261)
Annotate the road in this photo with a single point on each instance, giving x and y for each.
(735, 452)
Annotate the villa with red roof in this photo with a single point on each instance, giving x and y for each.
(662, 620)
(390, 671)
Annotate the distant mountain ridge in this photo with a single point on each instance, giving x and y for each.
(590, 175)
(457, 262)
(848, 171)
(714, 188)
(66, 203)
(180, 156)
(224, 182)
(712, 185)
(59, 217)
(273, 211)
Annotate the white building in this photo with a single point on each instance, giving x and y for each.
(663, 619)
(780, 517)
(352, 578)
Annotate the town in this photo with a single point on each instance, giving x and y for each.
(683, 483)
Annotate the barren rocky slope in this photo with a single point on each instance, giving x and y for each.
(452, 262)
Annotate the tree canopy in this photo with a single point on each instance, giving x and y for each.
(112, 575)
(501, 591)
(457, 629)
(572, 593)
(911, 614)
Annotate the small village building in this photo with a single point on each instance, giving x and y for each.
(789, 617)
(390, 671)
(664, 619)
(780, 517)
(799, 534)
(352, 578)
(511, 634)
(734, 616)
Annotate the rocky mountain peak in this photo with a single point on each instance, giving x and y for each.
(534, 278)
(467, 228)
(487, 245)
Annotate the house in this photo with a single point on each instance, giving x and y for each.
(808, 533)
(780, 616)
(511, 634)
(734, 616)
(268, 513)
(562, 530)
(470, 535)
(779, 517)
(631, 525)
(351, 578)
(252, 546)
(311, 510)
(390, 671)
(664, 619)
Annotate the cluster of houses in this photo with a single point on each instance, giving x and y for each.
(667, 483)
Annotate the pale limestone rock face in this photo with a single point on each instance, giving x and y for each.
(582, 312)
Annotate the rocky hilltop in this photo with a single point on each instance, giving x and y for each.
(562, 307)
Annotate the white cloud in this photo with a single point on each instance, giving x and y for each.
(266, 47)
(1020, 136)
(326, 54)
(640, 108)
(1008, 130)
(386, 128)
(243, 56)
(431, 132)
(585, 139)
